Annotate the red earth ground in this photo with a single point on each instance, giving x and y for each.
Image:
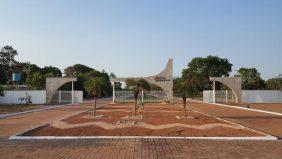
(158, 120)
(273, 107)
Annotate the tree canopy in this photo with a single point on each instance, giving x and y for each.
(7, 58)
(72, 71)
(201, 68)
(94, 86)
(54, 71)
(251, 79)
(274, 84)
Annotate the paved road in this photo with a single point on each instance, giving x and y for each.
(268, 123)
(120, 148)
(15, 124)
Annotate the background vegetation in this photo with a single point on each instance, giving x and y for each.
(197, 74)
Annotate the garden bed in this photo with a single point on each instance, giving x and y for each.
(157, 120)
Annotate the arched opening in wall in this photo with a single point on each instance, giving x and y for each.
(154, 95)
(223, 94)
(63, 95)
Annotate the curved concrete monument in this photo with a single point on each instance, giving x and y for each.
(234, 83)
(163, 80)
(53, 84)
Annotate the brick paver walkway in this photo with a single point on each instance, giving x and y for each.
(13, 125)
(139, 148)
(120, 148)
(268, 123)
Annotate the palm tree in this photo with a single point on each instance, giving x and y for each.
(94, 86)
(137, 86)
(185, 88)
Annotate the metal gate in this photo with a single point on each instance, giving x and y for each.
(145, 96)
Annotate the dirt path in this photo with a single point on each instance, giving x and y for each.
(268, 123)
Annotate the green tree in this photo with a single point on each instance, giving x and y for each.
(52, 70)
(274, 84)
(36, 81)
(117, 85)
(94, 86)
(251, 79)
(7, 58)
(82, 72)
(136, 86)
(186, 87)
(206, 67)
(71, 71)
(107, 87)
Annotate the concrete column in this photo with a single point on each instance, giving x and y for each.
(72, 93)
(226, 96)
(142, 97)
(114, 93)
(213, 95)
(60, 96)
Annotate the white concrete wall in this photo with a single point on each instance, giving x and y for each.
(252, 96)
(11, 97)
(262, 96)
(37, 96)
(78, 96)
(207, 96)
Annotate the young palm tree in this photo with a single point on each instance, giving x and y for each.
(94, 86)
(137, 86)
(185, 88)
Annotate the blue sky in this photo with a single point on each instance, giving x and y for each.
(136, 38)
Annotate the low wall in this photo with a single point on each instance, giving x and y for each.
(262, 96)
(248, 96)
(37, 96)
(11, 97)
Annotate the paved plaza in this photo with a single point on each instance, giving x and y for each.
(133, 148)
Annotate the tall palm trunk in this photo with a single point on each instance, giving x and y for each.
(135, 102)
(94, 108)
(184, 106)
(135, 107)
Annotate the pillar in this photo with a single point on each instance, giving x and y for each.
(213, 94)
(226, 96)
(114, 93)
(60, 96)
(72, 93)
(142, 97)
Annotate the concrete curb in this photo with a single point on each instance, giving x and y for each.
(223, 105)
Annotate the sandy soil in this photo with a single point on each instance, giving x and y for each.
(158, 120)
(7, 109)
(274, 107)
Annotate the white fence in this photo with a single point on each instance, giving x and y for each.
(66, 97)
(37, 97)
(248, 96)
(146, 96)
